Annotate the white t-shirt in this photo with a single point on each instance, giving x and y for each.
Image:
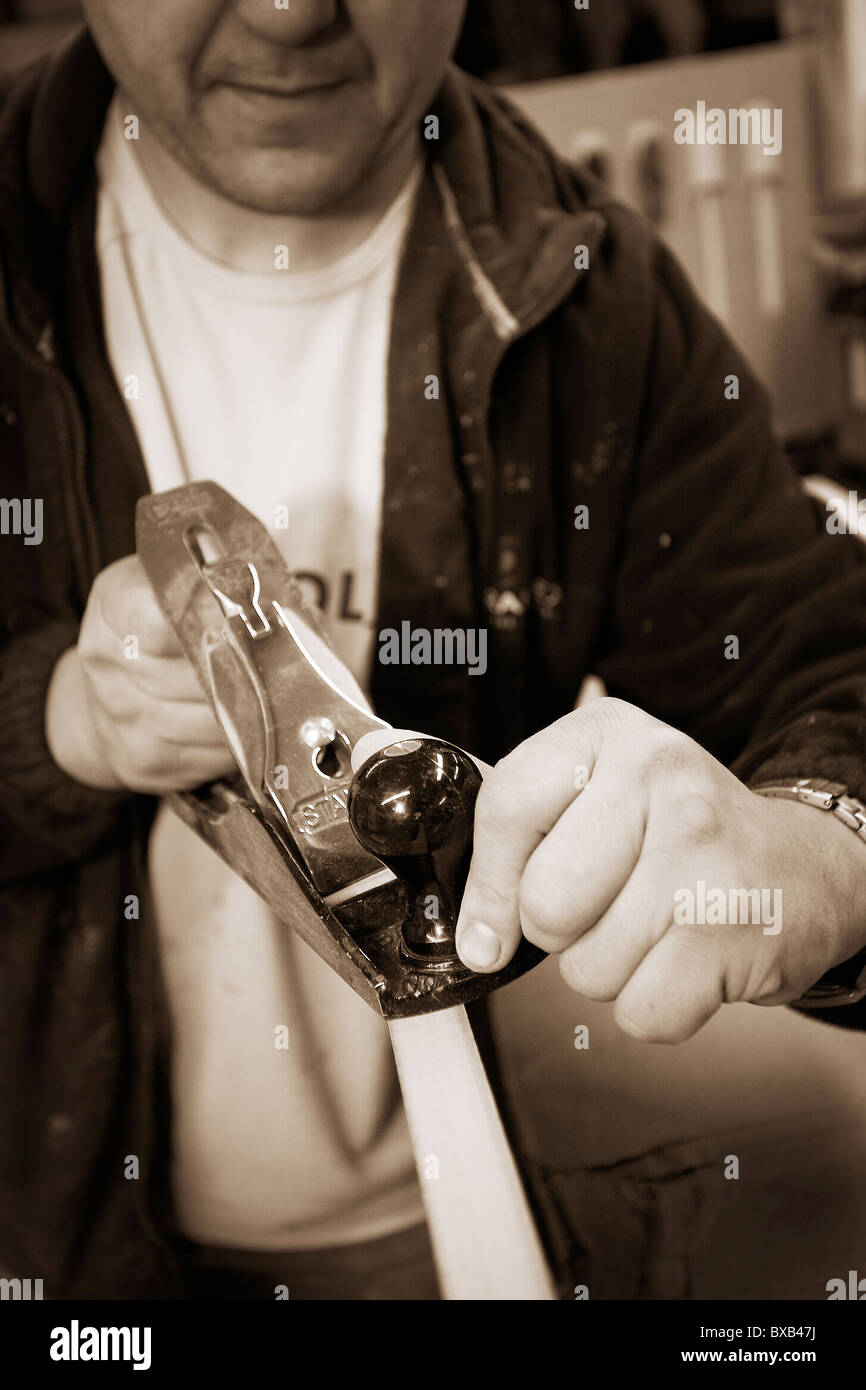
(274, 386)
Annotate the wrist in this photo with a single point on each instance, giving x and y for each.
(832, 839)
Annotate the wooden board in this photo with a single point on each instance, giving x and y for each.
(484, 1238)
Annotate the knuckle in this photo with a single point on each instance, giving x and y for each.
(644, 1029)
(587, 976)
(92, 635)
(497, 803)
(666, 754)
(609, 709)
(102, 586)
(650, 1026)
(112, 584)
(486, 885)
(695, 815)
(695, 950)
(546, 907)
(88, 647)
(599, 719)
(145, 755)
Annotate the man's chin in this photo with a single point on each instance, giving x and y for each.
(291, 183)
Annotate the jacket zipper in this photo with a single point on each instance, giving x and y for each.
(519, 328)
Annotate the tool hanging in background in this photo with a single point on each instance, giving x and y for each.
(368, 868)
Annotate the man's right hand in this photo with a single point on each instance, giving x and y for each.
(124, 707)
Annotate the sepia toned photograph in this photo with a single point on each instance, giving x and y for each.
(432, 670)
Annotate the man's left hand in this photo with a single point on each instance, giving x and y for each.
(620, 845)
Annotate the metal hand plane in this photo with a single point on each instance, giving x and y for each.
(368, 869)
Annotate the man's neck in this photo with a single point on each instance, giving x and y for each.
(246, 239)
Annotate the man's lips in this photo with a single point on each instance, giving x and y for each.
(318, 70)
(267, 89)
